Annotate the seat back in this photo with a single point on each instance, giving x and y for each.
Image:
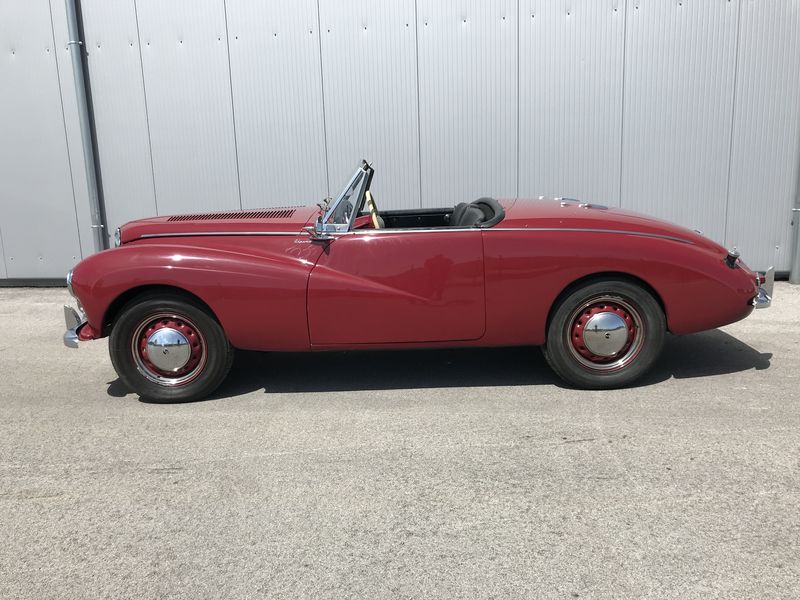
(484, 212)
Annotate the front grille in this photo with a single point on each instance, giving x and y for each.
(276, 213)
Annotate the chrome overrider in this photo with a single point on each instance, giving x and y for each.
(764, 297)
(74, 319)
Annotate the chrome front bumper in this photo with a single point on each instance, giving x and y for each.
(74, 321)
(764, 297)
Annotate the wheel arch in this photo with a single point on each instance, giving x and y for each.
(592, 277)
(116, 305)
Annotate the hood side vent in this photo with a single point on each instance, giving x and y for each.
(280, 213)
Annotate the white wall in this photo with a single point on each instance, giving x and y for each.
(682, 109)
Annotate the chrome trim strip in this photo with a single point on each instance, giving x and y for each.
(418, 230)
(589, 230)
(537, 229)
(332, 234)
(410, 230)
(219, 233)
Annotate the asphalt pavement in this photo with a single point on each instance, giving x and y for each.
(414, 474)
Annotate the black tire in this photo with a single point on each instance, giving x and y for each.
(210, 353)
(640, 320)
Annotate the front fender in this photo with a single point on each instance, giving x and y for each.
(256, 287)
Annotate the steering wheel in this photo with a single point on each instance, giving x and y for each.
(377, 222)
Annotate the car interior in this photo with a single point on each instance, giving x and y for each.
(483, 212)
(480, 213)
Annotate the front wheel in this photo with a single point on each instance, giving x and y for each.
(605, 334)
(168, 348)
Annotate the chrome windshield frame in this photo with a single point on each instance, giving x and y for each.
(360, 179)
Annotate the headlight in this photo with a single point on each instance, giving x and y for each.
(69, 283)
(117, 238)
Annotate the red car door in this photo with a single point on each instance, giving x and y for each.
(394, 286)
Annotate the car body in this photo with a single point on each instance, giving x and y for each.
(343, 275)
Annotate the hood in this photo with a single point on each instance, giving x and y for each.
(565, 213)
(290, 219)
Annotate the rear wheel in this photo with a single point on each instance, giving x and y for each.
(605, 334)
(168, 348)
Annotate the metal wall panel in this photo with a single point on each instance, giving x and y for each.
(37, 205)
(277, 98)
(765, 152)
(677, 108)
(188, 95)
(69, 104)
(570, 114)
(679, 77)
(467, 99)
(370, 74)
(115, 72)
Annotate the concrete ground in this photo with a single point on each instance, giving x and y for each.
(469, 473)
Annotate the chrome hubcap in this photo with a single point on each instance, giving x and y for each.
(605, 334)
(168, 349)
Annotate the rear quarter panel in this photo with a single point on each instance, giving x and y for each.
(526, 271)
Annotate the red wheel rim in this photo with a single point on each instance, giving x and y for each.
(190, 349)
(605, 333)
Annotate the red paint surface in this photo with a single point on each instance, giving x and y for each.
(413, 289)
(410, 287)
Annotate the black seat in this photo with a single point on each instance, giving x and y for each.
(466, 215)
(484, 212)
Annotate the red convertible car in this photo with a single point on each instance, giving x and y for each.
(597, 287)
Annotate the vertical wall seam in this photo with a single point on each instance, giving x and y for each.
(622, 99)
(519, 95)
(233, 107)
(3, 253)
(733, 123)
(324, 116)
(64, 123)
(419, 116)
(146, 111)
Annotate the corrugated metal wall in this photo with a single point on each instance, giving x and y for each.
(764, 165)
(44, 207)
(571, 98)
(684, 109)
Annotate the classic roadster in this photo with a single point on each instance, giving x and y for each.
(597, 287)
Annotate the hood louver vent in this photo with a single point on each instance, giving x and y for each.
(279, 213)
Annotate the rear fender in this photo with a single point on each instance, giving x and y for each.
(526, 273)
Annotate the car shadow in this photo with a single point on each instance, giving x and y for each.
(704, 354)
(698, 355)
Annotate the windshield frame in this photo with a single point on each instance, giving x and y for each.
(361, 179)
